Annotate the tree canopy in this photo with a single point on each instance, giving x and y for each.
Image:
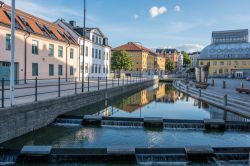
(186, 58)
(120, 60)
(169, 65)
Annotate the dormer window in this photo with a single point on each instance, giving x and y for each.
(26, 24)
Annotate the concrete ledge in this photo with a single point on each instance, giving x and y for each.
(36, 150)
(153, 121)
(214, 124)
(92, 119)
(118, 150)
(195, 153)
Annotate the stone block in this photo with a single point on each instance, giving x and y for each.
(119, 150)
(214, 124)
(36, 150)
(153, 121)
(197, 153)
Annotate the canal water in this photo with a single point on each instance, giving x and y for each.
(158, 101)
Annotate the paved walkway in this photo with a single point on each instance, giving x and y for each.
(25, 93)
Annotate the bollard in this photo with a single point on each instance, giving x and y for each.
(224, 84)
(187, 88)
(36, 89)
(59, 87)
(75, 86)
(199, 92)
(2, 92)
(212, 82)
(242, 85)
(88, 83)
(82, 84)
(225, 100)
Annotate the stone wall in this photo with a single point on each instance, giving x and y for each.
(20, 120)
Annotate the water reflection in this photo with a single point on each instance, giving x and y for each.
(165, 101)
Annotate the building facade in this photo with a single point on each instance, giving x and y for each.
(173, 54)
(143, 59)
(96, 60)
(180, 62)
(228, 54)
(160, 64)
(42, 49)
(194, 57)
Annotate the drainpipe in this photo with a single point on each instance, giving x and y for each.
(79, 62)
(26, 36)
(67, 61)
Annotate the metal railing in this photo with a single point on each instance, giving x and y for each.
(42, 89)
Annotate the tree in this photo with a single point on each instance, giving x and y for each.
(169, 65)
(120, 60)
(186, 59)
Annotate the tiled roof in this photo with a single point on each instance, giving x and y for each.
(131, 46)
(34, 25)
(166, 51)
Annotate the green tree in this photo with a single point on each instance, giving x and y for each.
(169, 65)
(186, 59)
(120, 60)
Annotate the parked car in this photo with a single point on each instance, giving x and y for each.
(248, 78)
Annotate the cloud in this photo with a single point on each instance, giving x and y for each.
(155, 11)
(136, 16)
(190, 47)
(177, 8)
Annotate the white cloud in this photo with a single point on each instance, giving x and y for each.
(190, 47)
(177, 8)
(136, 16)
(155, 11)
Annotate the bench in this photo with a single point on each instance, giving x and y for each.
(243, 90)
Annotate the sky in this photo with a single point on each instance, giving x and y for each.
(183, 24)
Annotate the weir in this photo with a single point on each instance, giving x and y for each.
(130, 124)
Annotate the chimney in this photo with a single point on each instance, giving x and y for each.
(72, 23)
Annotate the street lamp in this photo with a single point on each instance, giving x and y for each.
(12, 67)
(84, 35)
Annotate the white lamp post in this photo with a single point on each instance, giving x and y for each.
(12, 67)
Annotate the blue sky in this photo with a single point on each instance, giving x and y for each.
(184, 24)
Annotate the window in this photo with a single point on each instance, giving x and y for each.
(60, 51)
(99, 70)
(34, 69)
(26, 24)
(221, 63)
(235, 62)
(92, 68)
(87, 51)
(100, 42)
(100, 54)
(51, 70)
(71, 70)
(96, 39)
(104, 70)
(35, 47)
(95, 68)
(8, 42)
(215, 63)
(93, 38)
(51, 50)
(96, 53)
(93, 52)
(71, 53)
(86, 68)
(220, 71)
(60, 70)
(81, 50)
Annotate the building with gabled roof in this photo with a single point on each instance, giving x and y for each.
(43, 49)
(97, 51)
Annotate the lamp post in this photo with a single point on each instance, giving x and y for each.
(84, 35)
(12, 67)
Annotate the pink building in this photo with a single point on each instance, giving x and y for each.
(42, 49)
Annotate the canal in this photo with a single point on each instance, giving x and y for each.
(158, 101)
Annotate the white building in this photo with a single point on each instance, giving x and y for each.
(194, 56)
(180, 61)
(97, 51)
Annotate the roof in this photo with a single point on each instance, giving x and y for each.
(131, 46)
(166, 51)
(34, 25)
(226, 51)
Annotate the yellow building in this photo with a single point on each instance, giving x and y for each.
(143, 58)
(160, 64)
(228, 55)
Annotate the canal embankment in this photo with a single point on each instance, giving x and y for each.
(22, 119)
(238, 105)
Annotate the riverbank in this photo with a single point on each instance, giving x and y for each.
(232, 102)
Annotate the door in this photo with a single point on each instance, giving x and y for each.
(5, 71)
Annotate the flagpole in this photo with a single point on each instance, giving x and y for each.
(12, 67)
